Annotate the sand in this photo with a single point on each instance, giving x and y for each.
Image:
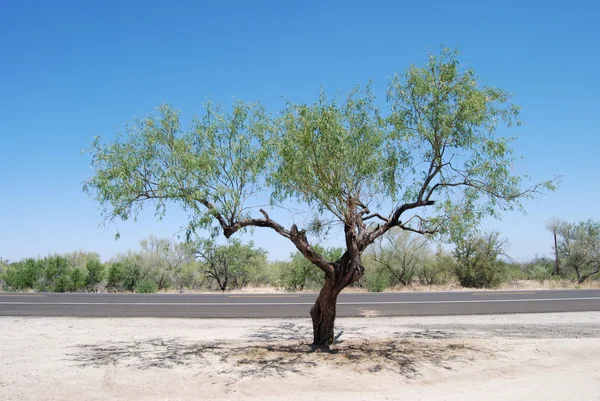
(496, 357)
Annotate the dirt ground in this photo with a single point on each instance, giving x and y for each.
(495, 357)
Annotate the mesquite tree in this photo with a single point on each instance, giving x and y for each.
(579, 245)
(428, 162)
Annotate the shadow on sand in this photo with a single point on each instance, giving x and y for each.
(280, 357)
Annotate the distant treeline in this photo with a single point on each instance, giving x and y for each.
(398, 259)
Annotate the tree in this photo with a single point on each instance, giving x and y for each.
(477, 260)
(552, 225)
(430, 163)
(228, 265)
(579, 244)
(401, 253)
(162, 259)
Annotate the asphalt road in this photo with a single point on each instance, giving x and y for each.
(296, 305)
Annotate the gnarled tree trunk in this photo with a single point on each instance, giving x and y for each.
(324, 310)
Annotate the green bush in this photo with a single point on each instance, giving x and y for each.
(95, 273)
(477, 264)
(377, 279)
(124, 275)
(55, 275)
(437, 269)
(115, 276)
(299, 273)
(482, 274)
(189, 276)
(21, 276)
(146, 287)
(540, 269)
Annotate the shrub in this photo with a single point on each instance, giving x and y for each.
(22, 275)
(436, 270)
(300, 273)
(95, 273)
(377, 279)
(115, 276)
(477, 260)
(55, 275)
(146, 287)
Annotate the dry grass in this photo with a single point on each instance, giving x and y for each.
(452, 287)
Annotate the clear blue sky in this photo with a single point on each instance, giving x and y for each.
(73, 70)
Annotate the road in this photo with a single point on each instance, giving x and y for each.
(296, 305)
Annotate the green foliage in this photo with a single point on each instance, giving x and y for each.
(401, 253)
(56, 274)
(540, 269)
(477, 264)
(95, 273)
(131, 274)
(228, 266)
(329, 150)
(579, 246)
(513, 272)
(376, 279)
(190, 276)
(124, 275)
(300, 274)
(115, 275)
(146, 286)
(437, 269)
(433, 151)
(21, 276)
(216, 162)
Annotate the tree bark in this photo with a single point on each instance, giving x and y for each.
(323, 311)
(323, 314)
(556, 258)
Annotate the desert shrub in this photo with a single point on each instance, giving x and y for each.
(189, 276)
(132, 274)
(23, 275)
(514, 272)
(540, 269)
(273, 272)
(146, 286)
(299, 273)
(123, 275)
(579, 248)
(95, 273)
(401, 253)
(55, 274)
(437, 269)
(229, 266)
(115, 275)
(540, 273)
(376, 279)
(477, 260)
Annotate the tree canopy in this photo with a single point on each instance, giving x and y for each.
(427, 160)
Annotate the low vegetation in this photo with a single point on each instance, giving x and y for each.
(399, 259)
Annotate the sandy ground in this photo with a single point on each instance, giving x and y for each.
(497, 357)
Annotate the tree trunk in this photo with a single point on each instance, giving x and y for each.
(323, 314)
(324, 310)
(556, 259)
(581, 278)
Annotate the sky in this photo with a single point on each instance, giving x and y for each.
(72, 70)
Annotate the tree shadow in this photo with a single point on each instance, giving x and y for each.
(405, 357)
(291, 331)
(288, 331)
